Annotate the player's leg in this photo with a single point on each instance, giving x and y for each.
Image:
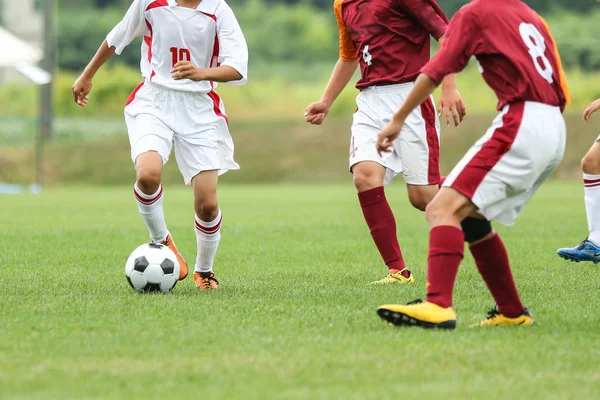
(370, 172)
(493, 264)
(149, 194)
(368, 179)
(446, 249)
(151, 143)
(204, 150)
(207, 224)
(589, 249)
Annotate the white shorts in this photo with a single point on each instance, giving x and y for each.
(504, 168)
(195, 123)
(416, 152)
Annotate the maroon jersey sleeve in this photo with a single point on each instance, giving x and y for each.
(428, 13)
(463, 39)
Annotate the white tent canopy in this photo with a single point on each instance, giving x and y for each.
(19, 54)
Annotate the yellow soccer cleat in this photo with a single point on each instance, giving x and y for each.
(395, 276)
(496, 319)
(419, 313)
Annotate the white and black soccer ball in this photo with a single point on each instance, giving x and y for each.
(152, 267)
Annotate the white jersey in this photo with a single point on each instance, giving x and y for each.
(208, 36)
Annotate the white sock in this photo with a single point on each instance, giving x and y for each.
(592, 205)
(208, 236)
(151, 210)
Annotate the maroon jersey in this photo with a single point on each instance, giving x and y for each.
(513, 46)
(391, 38)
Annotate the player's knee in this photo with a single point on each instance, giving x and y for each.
(434, 212)
(590, 165)
(475, 229)
(207, 208)
(363, 180)
(419, 201)
(148, 180)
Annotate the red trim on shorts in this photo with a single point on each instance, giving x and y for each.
(471, 176)
(132, 95)
(148, 202)
(433, 144)
(217, 105)
(157, 3)
(208, 231)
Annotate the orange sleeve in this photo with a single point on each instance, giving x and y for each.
(347, 50)
(561, 73)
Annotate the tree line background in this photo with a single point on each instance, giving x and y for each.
(290, 36)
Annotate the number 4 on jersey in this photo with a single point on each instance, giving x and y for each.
(534, 41)
(180, 55)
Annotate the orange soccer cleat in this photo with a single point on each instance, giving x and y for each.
(205, 280)
(183, 268)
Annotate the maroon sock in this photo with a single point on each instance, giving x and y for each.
(382, 224)
(446, 250)
(492, 262)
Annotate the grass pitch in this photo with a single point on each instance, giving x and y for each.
(294, 317)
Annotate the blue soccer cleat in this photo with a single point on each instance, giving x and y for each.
(586, 251)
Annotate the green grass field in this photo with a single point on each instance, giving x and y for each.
(294, 317)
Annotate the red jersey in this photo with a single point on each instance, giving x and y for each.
(391, 38)
(514, 48)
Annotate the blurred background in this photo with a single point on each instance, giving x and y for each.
(293, 47)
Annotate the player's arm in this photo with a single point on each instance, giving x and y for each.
(132, 26)
(342, 73)
(592, 108)
(233, 55)
(430, 15)
(83, 85)
(451, 102)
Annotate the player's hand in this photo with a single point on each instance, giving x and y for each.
(187, 70)
(385, 138)
(451, 104)
(592, 108)
(316, 112)
(81, 89)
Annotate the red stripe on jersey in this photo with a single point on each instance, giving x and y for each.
(471, 176)
(132, 95)
(148, 41)
(433, 144)
(208, 231)
(217, 105)
(214, 60)
(213, 17)
(148, 201)
(157, 3)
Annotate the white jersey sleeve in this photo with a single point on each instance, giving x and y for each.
(132, 26)
(233, 50)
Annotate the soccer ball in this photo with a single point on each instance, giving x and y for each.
(152, 267)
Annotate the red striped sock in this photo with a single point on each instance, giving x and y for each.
(446, 250)
(493, 265)
(151, 210)
(382, 225)
(208, 236)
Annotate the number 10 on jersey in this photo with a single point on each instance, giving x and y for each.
(180, 55)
